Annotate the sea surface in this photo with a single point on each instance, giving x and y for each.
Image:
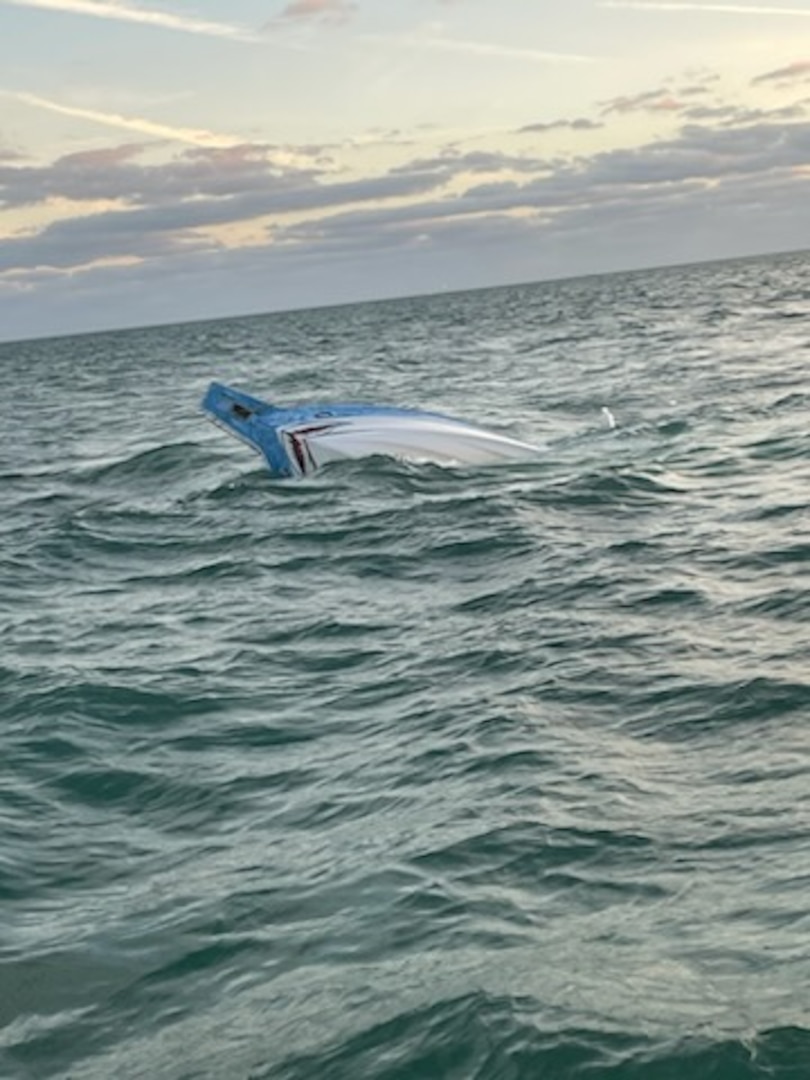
(408, 772)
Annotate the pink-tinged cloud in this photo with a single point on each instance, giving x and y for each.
(104, 158)
(333, 10)
(798, 71)
(650, 101)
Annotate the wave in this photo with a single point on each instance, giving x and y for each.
(166, 462)
(479, 1037)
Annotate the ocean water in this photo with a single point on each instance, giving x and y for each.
(408, 772)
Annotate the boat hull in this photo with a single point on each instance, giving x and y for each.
(300, 440)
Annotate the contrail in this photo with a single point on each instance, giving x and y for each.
(193, 136)
(720, 9)
(508, 52)
(479, 48)
(163, 19)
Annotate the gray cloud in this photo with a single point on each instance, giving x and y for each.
(152, 230)
(700, 165)
(726, 113)
(660, 100)
(706, 153)
(663, 98)
(329, 10)
(676, 223)
(580, 124)
(658, 175)
(629, 205)
(114, 174)
(453, 162)
(736, 114)
(684, 223)
(789, 75)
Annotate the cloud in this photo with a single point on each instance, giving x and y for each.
(330, 10)
(492, 49)
(464, 242)
(103, 158)
(723, 113)
(702, 192)
(580, 124)
(169, 204)
(123, 12)
(736, 114)
(154, 129)
(115, 175)
(708, 9)
(205, 188)
(703, 153)
(697, 161)
(662, 99)
(438, 43)
(453, 163)
(475, 212)
(659, 100)
(798, 71)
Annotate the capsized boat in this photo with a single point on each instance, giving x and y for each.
(298, 440)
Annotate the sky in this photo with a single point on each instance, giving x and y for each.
(167, 161)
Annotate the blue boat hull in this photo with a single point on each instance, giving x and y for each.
(297, 441)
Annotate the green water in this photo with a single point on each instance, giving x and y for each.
(403, 771)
